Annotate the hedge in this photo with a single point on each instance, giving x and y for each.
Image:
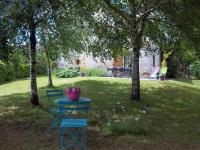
(9, 71)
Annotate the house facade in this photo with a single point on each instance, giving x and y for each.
(147, 62)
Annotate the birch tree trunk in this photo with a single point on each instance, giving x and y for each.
(34, 92)
(135, 92)
(49, 69)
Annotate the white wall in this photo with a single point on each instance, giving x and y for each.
(146, 62)
(90, 61)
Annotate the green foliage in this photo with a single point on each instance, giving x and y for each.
(10, 72)
(189, 26)
(41, 65)
(25, 70)
(195, 69)
(20, 65)
(22, 71)
(111, 31)
(2, 72)
(55, 34)
(93, 72)
(7, 72)
(41, 68)
(6, 33)
(165, 56)
(67, 72)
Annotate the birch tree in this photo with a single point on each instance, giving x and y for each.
(120, 24)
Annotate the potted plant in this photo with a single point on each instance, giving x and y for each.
(162, 77)
(73, 93)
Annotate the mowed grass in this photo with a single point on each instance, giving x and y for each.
(168, 114)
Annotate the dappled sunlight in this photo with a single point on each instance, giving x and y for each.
(194, 84)
(12, 108)
(170, 108)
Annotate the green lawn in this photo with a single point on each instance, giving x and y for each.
(168, 116)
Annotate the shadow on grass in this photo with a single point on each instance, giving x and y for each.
(18, 79)
(188, 81)
(163, 109)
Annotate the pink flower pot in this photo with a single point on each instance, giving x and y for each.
(162, 78)
(73, 94)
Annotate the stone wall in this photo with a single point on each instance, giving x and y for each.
(146, 62)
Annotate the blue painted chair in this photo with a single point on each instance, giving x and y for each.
(73, 115)
(52, 95)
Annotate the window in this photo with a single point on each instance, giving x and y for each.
(77, 61)
(153, 60)
(127, 61)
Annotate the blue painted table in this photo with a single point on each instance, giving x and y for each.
(65, 100)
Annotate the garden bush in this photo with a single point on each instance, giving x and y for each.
(93, 72)
(10, 72)
(25, 70)
(67, 72)
(41, 69)
(2, 72)
(7, 72)
(22, 70)
(195, 69)
(41, 65)
(18, 67)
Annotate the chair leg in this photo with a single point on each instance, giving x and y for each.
(74, 136)
(85, 140)
(61, 141)
(54, 122)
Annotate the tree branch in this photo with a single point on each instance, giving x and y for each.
(140, 5)
(143, 21)
(142, 27)
(151, 9)
(161, 20)
(147, 12)
(120, 12)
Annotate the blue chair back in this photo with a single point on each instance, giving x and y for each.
(52, 95)
(73, 109)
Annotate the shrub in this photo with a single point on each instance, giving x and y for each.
(67, 72)
(7, 72)
(93, 72)
(17, 61)
(41, 65)
(25, 70)
(18, 67)
(21, 71)
(2, 72)
(10, 72)
(41, 69)
(195, 69)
